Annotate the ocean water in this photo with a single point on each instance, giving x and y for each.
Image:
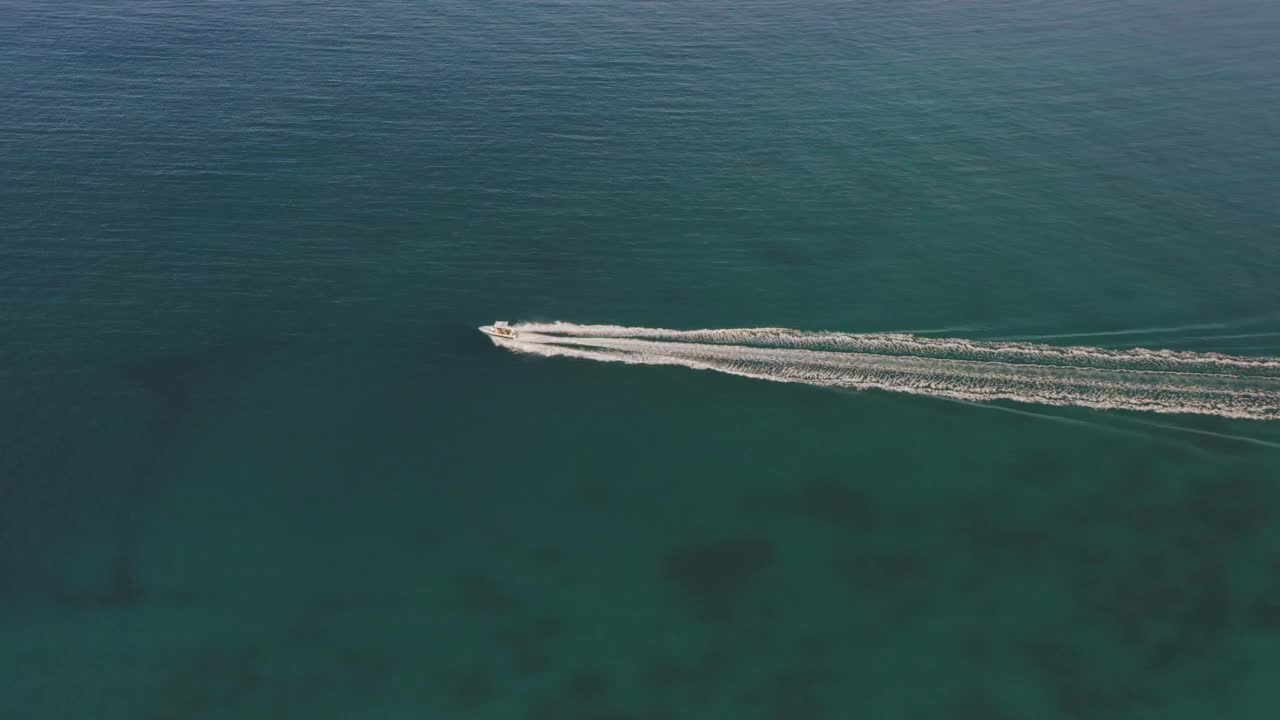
(256, 461)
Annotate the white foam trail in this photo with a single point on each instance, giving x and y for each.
(1163, 381)
(912, 345)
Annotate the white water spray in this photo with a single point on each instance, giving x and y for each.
(1163, 381)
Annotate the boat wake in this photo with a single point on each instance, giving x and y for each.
(1162, 381)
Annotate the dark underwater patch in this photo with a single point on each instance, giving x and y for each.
(1205, 617)
(839, 506)
(482, 594)
(665, 675)
(1026, 544)
(714, 574)
(1264, 614)
(887, 569)
(1066, 672)
(795, 692)
(1227, 509)
(173, 382)
(119, 592)
(587, 684)
(977, 706)
(474, 688)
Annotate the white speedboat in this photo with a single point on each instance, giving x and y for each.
(500, 329)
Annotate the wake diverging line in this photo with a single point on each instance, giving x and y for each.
(1161, 381)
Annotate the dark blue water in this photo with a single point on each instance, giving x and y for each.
(255, 461)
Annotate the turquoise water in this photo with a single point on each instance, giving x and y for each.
(255, 460)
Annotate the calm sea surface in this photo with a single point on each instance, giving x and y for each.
(256, 462)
